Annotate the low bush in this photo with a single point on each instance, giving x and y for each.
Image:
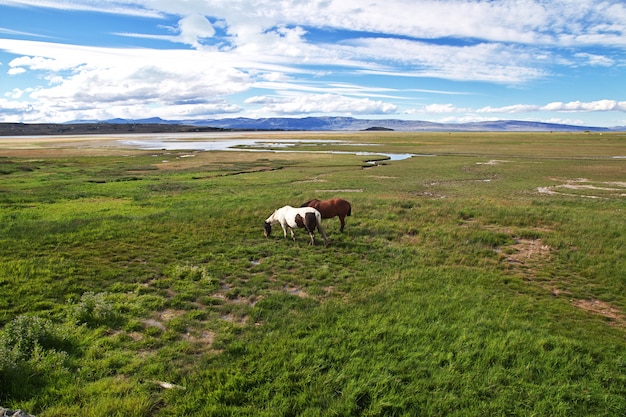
(31, 354)
(94, 310)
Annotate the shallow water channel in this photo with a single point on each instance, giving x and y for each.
(175, 143)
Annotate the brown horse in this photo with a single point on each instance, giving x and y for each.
(331, 208)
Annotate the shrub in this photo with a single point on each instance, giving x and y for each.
(30, 351)
(24, 334)
(192, 272)
(195, 273)
(94, 310)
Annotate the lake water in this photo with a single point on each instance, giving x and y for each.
(173, 143)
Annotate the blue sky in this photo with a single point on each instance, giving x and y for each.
(560, 61)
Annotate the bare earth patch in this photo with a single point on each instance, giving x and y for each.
(358, 190)
(528, 248)
(615, 316)
(235, 319)
(586, 188)
(162, 318)
(492, 162)
(313, 179)
(296, 291)
(526, 254)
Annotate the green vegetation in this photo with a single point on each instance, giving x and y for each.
(485, 279)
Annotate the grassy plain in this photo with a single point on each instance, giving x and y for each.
(487, 277)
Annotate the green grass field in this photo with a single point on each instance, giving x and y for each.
(485, 278)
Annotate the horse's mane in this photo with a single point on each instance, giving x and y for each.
(308, 202)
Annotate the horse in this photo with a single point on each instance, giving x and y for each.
(331, 208)
(291, 218)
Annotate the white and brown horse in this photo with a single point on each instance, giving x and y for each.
(292, 218)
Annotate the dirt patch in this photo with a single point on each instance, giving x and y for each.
(586, 188)
(527, 249)
(314, 179)
(168, 315)
(296, 291)
(615, 316)
(235, 319)
(527, 254)
(136, 336)
(154, 323)
(492, 162)
(205, 338)
(358, 190)
(163, 317)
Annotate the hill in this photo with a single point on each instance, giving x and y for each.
(352, 124)
(27, 129)
(157, 125)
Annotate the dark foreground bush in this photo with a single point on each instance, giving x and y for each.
(31, 352)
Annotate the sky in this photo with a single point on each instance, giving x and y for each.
(450, 61)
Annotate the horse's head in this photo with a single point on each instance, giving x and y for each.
(268, 229)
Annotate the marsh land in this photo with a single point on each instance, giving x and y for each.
(480, 274)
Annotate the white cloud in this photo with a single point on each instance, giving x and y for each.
(593, 106)
(559, 120)
(516, 108)
(40, 63)
(128, 78)
(442, 108)
(15, 93)
(128, 8)
(194, 27)
(239, 45)
(191, 30)
(15, 111)
(470, 118)
(482, 62)
(565, 22)
(288, 87)
(321, 103)
(595, 60)
(275, 77)
(513, 21)
(20, 33)
(574, 106)
(16, 71)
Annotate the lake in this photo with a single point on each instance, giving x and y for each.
(176, 142)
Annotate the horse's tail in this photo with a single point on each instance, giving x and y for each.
(318, 217)
(349, 209)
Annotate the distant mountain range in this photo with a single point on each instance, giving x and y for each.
(158, 125)
(353, 124)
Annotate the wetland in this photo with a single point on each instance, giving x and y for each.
(483, 280)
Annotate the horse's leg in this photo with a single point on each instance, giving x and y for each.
(310, 229)
(323, 233)
(284, 226)
(343, 222)
(308, 222)
(293, 236)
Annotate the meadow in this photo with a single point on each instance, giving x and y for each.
(484, 276)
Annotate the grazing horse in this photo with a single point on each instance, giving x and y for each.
(291, 218)
(331, 208)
